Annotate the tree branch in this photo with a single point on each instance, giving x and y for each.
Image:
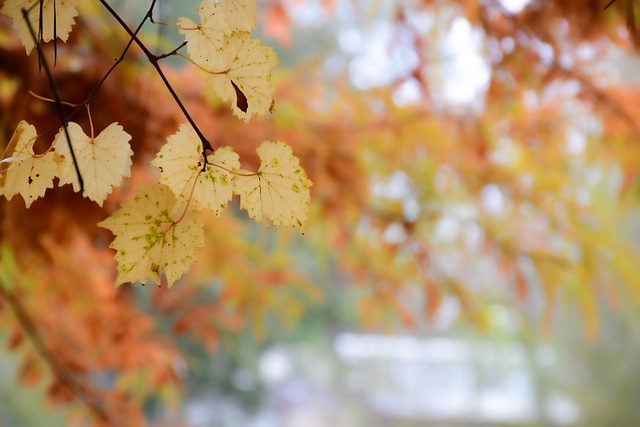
(153, 60)
(31, 330)
(42, 60)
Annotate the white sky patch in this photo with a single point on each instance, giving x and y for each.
(493, 200)
(466, 74)
(306, 14)
(394, 233)
(576, 141)
(399, 187)
(382, 55)
(407, 93)
(514, 6)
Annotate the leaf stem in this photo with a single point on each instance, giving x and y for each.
(186, 207)
(44, 98)
(90, 121)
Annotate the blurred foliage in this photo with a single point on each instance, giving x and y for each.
(435, 201)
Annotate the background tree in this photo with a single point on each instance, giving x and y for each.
(518, 189)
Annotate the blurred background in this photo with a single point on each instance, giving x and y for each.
(470, 257)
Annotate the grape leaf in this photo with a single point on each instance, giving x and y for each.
(60, 13)
(249, 72)
(103, 161)
(240, 14)
(279, 191)
(149, 242)
(24, 172)
(217, 19)
(180, 162)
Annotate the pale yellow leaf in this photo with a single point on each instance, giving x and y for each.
(22, 171)
(217, 19)
(58, 12)
(279, 191)
(180, 161)
(149, 242)
(103, 161)
(240, 14)
(249, 68)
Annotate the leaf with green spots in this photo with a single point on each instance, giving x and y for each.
(149, 242)
(180, 162)
(279, 191)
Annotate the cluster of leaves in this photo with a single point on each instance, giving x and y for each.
(65, 262)
(159, 231)
(564, 231)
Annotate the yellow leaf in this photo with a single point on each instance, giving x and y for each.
(102, 160)
(246, 81)
(180, 162)
(240, 14)
(217, 19)
(279, 191)
(27, 174)
(149, 242)
(58, 12)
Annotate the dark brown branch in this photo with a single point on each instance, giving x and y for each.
(117, 62)
(56, 96)
(153, 60)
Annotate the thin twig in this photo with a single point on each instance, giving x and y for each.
(609, 4)
(56, 96)
(93, 93)
(173, 52)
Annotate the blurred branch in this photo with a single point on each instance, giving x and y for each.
(78, 389)
(599, 95)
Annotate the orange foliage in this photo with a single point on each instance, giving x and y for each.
(79, 330)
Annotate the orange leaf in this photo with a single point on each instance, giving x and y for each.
(277, 24)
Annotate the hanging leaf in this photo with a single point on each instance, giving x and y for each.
(149, 242)
(279, 191)
(103, 161)
(247, 80)
(24, 172)
(180, 161)
(217, 20)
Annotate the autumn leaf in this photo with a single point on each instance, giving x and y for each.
(24, 172)
(149, 242)
(103, 161)
(57, 19)
(279, 191)
(217, 20)
(240, 14)
(180, 162)
(248, 72)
